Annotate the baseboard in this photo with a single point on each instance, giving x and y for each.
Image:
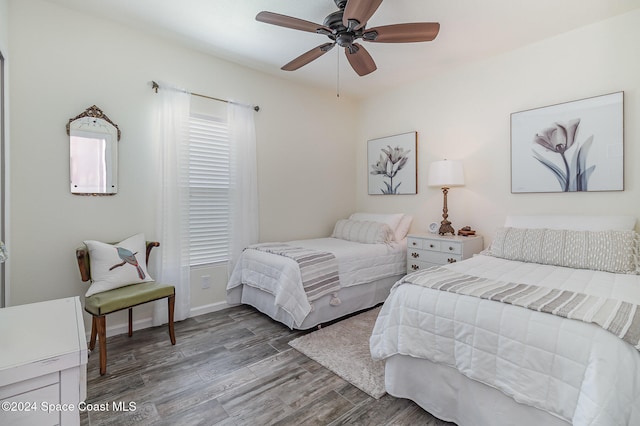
(143, 323)
(205, 309)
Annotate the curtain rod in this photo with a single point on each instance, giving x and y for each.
(155, 86)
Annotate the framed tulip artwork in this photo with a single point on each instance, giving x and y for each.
(570, 147)
(392, 165)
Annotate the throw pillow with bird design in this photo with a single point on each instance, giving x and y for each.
(128, 258)
(117, 265)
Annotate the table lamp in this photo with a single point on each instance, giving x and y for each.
(445, 174)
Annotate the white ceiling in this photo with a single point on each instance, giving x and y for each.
(470, 30)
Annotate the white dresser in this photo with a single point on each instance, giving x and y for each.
(43, 363)
(426, 250)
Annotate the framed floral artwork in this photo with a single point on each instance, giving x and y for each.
(570, 147)
(392, 166)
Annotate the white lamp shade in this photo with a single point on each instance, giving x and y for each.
(446, 173)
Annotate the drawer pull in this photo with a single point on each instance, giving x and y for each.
(450, 248)
(414, 243)
(451, 260)
(415, 255)
(415, 267)
(431, 245)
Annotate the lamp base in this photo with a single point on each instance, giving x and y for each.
(446, 228)
(445, 225)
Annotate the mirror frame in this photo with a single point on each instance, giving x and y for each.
(95, 114)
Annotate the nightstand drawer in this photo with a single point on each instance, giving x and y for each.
(432, 256)
(413, 266)
(421, 243)
(442, 258)
(414, 243)
(431, 245)
(424, 251)
(451, 247)
(435, 245)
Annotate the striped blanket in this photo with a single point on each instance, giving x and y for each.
(616, 316)
(318, 269)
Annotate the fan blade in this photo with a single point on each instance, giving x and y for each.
(357, 13)
(402, 33)
(305, 58)
(360, 60)
(290, 22)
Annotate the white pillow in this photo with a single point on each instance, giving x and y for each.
(392, 219)
(573, 223)
(367, 232)
(117, 265)
(403, 227)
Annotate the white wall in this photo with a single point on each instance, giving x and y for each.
(64, 62)
(465, 115)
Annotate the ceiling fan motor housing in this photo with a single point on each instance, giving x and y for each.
(334, 21)
(342, 35)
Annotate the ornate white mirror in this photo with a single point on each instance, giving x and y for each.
(93, 153)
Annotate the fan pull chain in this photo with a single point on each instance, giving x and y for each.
(338, 75)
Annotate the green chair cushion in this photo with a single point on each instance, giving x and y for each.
(126, 297)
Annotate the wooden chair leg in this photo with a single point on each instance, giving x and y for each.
(172, 334)
(94, 330)
(102, 337)
(130, 322)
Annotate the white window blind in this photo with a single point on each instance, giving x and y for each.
(209, 188)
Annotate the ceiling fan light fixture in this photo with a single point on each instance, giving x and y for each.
(345, 39)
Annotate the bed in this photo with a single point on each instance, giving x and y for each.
(480, 361)
(359, 263)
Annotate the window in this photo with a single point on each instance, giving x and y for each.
(209, 188)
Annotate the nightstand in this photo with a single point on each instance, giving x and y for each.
(426, 250)
(43, 363)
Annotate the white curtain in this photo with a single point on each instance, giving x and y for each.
(243, 190)
(172, 210)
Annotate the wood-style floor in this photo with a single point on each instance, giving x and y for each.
(232, 367)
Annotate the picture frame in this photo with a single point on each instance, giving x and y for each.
(392, 164)
(575, 146)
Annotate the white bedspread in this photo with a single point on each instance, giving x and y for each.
(574, 370)
(280, 276)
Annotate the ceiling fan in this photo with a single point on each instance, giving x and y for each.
(346, 26)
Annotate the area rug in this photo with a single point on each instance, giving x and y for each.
(343, 348)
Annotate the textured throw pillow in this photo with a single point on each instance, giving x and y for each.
(367, 232)
(117, 265)
(611, 251)
(391, 219)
